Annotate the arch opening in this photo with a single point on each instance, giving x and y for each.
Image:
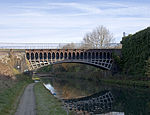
(53, 55)
(32, 56)
(108, 55)
(49, 55)
(65, 55)
(36, 56)
(45, 55)
(41, 56)
(93, 55)
(89, 55)
(57, 55)
(73, 55)
(77, 56)
(85, 55)
(61, 55)
(104, 56)
(28, 56)
(101, 55)
(69, 56)
(97, 55)
(81, 55)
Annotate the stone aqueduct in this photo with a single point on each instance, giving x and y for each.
(97, 57)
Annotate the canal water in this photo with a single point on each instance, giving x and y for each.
(122, 101)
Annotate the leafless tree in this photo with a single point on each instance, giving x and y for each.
(69, 46)
(98, 38)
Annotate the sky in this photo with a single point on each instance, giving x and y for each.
(66, 21)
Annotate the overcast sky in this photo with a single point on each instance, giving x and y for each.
(63, 21)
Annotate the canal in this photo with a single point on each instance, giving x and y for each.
(99, 98)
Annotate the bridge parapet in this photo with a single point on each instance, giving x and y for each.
(97, 57)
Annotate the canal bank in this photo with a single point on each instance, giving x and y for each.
(46, 103)
(10, 96)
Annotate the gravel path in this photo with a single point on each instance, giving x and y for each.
(27, 102)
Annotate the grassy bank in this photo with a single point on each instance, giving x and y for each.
(9, 98)
(133, 83)
(46, 103)
(115, 80)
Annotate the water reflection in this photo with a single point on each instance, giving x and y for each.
(126, 101)
(97, 103)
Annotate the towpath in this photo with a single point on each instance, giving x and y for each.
(27, 102)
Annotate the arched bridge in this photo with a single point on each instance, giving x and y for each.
(98, 57)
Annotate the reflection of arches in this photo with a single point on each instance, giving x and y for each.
(85, 55)
(93, 55)
(73, 55)
(108, 55)
(53, 55)
(57, 55)
(104, 55)
(101, 56)
(77, 57)
(36, 55)
(81, 55)
(28, 56)
(61, 55)
(45, 55)
(41, 56)
(32, 56)
(69, 55)
(89, 55)
(65, 55)
(96, 55)
(49, 55)
(111, 55)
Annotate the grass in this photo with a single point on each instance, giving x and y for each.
(9, 98)
(46, 103)
(134, 83)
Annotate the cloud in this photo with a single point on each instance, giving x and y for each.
(69, 21)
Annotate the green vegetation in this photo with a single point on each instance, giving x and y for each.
(47, 104)
(135, 83)
(83, 71)
(135, 52)
(148, 67)
(9, 97)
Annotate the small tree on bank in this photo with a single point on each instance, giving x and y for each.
(98, 38)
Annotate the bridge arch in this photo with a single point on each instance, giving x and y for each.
(99, 58)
